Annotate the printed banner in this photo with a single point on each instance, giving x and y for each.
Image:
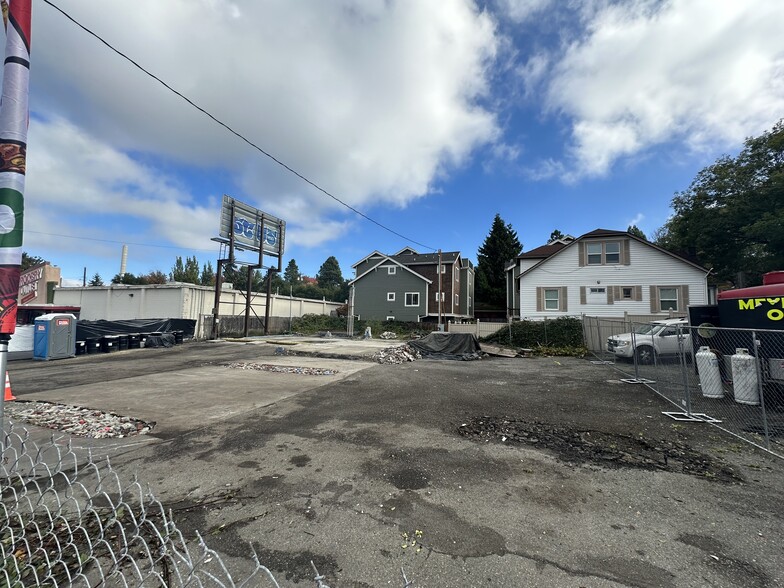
(14, 118)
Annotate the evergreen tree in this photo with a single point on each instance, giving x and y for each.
(637, 232)
(329, 275)
(29, 261)
(187, 272)
(95, 280)
(555, 235)
(291, 275)
(500, 246)
(207, 277)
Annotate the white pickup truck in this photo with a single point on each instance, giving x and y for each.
(659, 338)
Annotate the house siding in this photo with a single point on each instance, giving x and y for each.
(370, 300)
(646, 267)
(466, 292)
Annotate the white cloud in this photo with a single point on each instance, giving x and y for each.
(701, 72)
(373, 100)
(523, 10)
(638, 218)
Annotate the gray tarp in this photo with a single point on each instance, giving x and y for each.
(463, 346)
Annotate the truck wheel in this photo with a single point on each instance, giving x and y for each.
(645, 355)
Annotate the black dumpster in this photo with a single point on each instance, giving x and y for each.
(122, 341)
(93, 344)
(81, 347)
(110, 344)
(134, 341)
(178, 337)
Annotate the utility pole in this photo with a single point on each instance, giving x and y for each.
(84, 278)
(440, 293)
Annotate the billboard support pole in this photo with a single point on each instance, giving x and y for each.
(219, 279)
(269, 299)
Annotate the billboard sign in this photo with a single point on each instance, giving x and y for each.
(253, 229)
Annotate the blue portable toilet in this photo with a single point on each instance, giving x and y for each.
(54, 336)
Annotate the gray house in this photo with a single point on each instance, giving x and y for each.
(412, 286)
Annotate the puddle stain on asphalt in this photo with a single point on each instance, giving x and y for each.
(599, 448)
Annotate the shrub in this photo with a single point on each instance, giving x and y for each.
(560, 332)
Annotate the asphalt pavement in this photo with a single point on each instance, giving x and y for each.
(366, 471)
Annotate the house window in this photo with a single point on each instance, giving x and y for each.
(627, 293)
(668, 299)
(593, 252)
(551, 299)
(412, 298)
(390, 296)
(443, 269)
(612, 253)
(390, 318)
(391, 271)
(457, 299)
(439, 296)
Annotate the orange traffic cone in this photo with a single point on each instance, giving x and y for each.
(8, 394)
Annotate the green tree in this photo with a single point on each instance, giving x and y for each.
(500, 246)
(187, 272)
(207, 277)
(154, 277)
(291, 275)
(29, 261)
(555, 235)
(637, 232)
(731, 217)
(329, 275)
(95, 280)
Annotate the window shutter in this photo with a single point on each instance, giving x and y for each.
(626, 260)
(638, 293)
(581, 254)
(617, 293)
(539, 299)
(582, 295)
(610, 298)
(654, 299)
(562, 301)
(685, 297)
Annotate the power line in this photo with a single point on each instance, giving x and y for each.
(118, 242)
(231, 130)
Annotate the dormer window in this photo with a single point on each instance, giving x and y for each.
(612, 252)
(391, 270)
(593, 252)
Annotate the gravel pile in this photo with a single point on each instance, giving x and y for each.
(282, 369)
(397, 354)
(388, 335)
(76, 420)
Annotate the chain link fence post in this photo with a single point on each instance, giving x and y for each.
(760, 388)
(684, 375)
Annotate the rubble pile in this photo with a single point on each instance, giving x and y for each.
(282, 369)
(76, 420)
(397, 354)
(388, 335)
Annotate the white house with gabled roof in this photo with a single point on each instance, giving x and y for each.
(603, 273)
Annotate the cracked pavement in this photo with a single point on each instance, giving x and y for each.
(366, 472)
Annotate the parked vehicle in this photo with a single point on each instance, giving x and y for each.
(652, 340)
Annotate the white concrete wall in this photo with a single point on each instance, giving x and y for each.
(648, 267)
(178, 301)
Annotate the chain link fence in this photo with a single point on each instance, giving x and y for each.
(68, 520)
(730, 378)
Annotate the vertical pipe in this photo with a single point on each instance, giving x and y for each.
(4, 339)
(684, 375)
(216, 306)
(269, 297)
(248, 293)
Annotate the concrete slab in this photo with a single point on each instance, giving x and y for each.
(192, 398)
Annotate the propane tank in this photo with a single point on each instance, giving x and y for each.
(744, 377)
(710, 376)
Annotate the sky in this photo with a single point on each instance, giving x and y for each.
(428, 116)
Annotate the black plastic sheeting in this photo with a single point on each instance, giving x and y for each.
(90, 329)
(165, 340)
(461, 346)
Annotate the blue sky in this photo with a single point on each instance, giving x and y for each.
(430, 116)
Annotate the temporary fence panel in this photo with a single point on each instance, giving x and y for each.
(730, 378)
(479, 329)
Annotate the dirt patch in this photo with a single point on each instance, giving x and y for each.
(599, 448)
